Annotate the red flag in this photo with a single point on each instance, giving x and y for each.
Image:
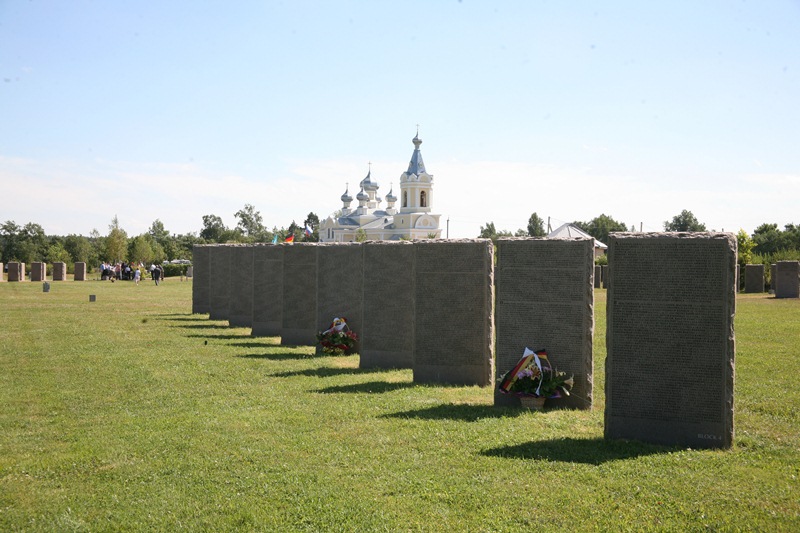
(290, 238)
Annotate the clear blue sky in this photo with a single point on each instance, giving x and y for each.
(174, 110)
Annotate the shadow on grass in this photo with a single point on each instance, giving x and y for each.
(255, 344)
(181, 319)
(220, 337)
(569, 450)
(203, 326)
(463, 412)
(285, 356)
(198, 316)
(373, 387)
(327, 372)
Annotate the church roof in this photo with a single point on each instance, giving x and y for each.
(416, 165)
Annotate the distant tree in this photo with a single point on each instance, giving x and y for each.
(490, 232)
(116, 242)
(686, 221)
(767, 238)
(536, 226)
(521, 233)
(599, 227)
(361, 235)
(745, 245)
(312, 221)
(295, 230)
(10, 240)
(250, 223)
(27, 243)
(56, 253)
(80, 249)
(213, 228)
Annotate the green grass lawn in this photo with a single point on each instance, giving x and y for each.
(130, 413)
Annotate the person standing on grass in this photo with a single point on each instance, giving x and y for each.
(156, 274)
(137, 275)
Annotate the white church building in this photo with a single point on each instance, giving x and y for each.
(412, 220)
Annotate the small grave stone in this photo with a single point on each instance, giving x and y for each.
(59, 271)
(753, 278)
(80, 271)
(190, 271)
(386, 337)
(16, 271)
(92, 297)
(670, 338)
(299, 327)
(45, 287)
(200, 283)
(453, 312)
(267, 290)
(545, 300)
(787, 274)
(241, 283)
(38, 271)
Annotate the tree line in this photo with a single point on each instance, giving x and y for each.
(29, 243)
(766, 244)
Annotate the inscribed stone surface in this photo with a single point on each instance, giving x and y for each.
(340, 281)
(386, 334)
(240, 313)
(453, 312)
(219, 282)
(200, 282)
(754, 278)
(670, 338)
(598, 276)
(545, 299)
(16, 271)
(787, 274)
(299, 326)
(59, 271)
(38, 271)
(604, 275)
(80, 271)
(267, 290)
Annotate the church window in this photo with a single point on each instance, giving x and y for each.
(405, 198)
(422, 199)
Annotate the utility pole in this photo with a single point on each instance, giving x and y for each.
(448, 227)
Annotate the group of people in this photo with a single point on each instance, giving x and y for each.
(125, 271)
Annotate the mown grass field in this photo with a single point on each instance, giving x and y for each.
(131, 414)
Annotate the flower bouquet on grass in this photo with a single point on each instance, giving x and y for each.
(338, 339)
(534, 379)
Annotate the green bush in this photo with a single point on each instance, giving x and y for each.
(174, 270)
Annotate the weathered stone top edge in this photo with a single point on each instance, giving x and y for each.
(554, 239)
(672, 235)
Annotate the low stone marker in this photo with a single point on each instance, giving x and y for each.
(670, 338)
(16, 271)
(190, 271)
(80, 272)
(753, 278)
(545, 300)
(787, 274)
(340, 281)
(45, 287)
(267, 290)
(200, 283)
(219, 281)
(241, 303)
(38, 271)
(299, 326)
(92, 297)
(386, 336)
(453, 315)
(59, 271)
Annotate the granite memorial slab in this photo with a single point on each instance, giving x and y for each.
(340, 282)
(219, 281)
(59, 271)
(267, 290)
(299, 317)
(787, 274)
(80, 271)
(753, 278)
(38, 271)
(201, 295)
(241, 271)
(670, 338)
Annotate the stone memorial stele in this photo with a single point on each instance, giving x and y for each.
(386, 334)
(80, 271)
(38, 271)
(787, 274)
(299, 317)
(753, 278)
(200, 282)
(545, 300)
(670, 338)
(598, 276)
(453, 312)
(340, 281)
(267, 290)
(219, 281)
(773, 278)
(604, 276)
(59, 271)
(16, 271)
(241, 302)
